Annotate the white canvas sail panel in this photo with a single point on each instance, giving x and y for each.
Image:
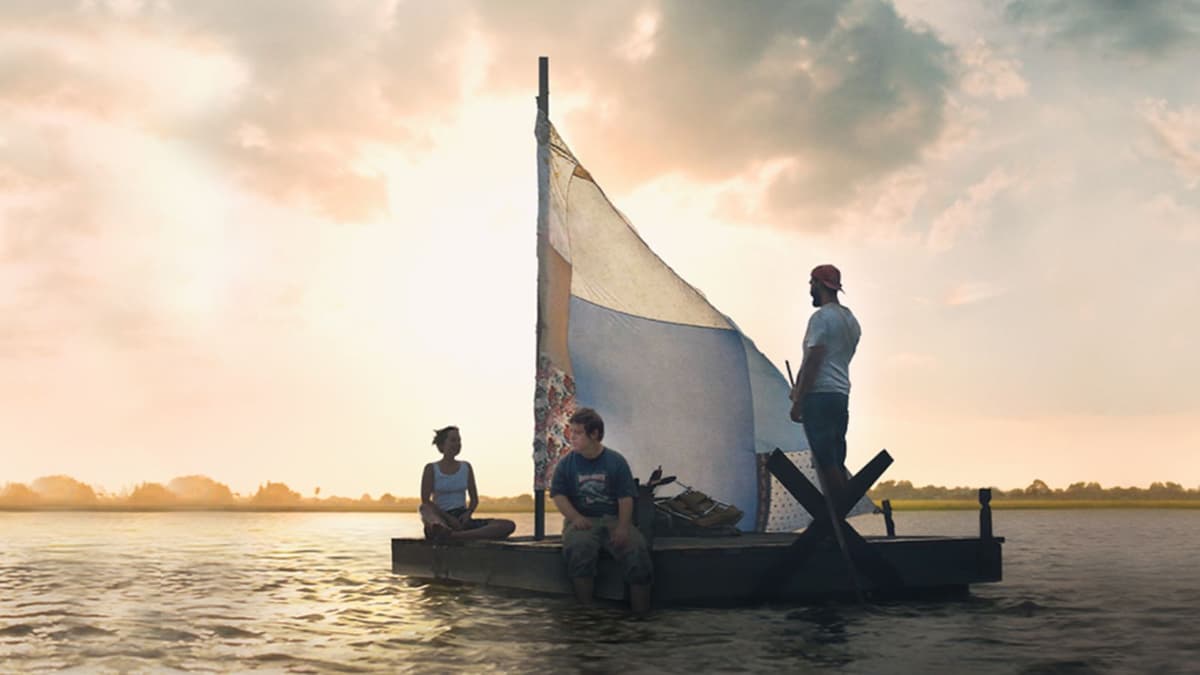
(675, 380)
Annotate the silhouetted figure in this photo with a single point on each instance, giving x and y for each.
(821, 396)
(445, 485)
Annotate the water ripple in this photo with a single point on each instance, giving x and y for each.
(314, 593)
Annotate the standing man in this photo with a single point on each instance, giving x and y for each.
(821, 395)
(593, 488)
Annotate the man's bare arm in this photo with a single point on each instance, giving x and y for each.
(564, 507)
(620, 534)
(625, 512)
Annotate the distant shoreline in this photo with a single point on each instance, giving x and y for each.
(897, 505)
(1039, 504)
(237, 508)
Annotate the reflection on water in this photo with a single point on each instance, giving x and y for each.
(1085, 591)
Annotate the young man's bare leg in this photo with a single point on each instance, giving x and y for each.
(639, 598)
(584, 586)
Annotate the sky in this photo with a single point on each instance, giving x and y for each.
(286, 240)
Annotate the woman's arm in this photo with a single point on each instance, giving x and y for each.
(471, 491)
(427, 486)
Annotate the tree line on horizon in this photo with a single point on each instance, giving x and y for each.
(203, 492)
(1038, 489)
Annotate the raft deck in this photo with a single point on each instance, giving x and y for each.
(712, 570)
(747, 568)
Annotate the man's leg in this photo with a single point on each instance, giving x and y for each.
(585, 589)
(825, 423)
(580, 549)
(638, 567)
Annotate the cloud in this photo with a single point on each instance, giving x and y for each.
(969, 293)
(847, 92)
(968, 213)
(991, 76)
(640, 44)
(316, 83)
(1175, 220)
(1176, 135)
(289, 97)
(884, 211)
(1149, 29)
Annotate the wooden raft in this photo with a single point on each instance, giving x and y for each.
(749, 568)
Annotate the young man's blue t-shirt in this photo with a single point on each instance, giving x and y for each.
(593, 485)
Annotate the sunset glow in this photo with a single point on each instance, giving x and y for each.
(286, 250)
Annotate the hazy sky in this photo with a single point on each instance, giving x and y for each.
(285, 240)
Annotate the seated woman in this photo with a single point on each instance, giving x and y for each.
(444, 486)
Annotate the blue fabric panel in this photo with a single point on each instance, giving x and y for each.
(773, 427)
(670, 394)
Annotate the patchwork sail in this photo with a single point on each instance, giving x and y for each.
(678, 384)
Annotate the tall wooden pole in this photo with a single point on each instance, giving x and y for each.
(543, 103)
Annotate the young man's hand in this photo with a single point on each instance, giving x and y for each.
(797, 413)
(581, 523)
(620, 537)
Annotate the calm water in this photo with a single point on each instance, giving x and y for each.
(1085, 591)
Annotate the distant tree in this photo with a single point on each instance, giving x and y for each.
(64, 491)
(1168, 489)
(1091, 490)
(365, 498)
(151, 494)
(200, 490)
(17, 494)
(387, 499)
(275, 494)
(518, 503)
(1038, 488)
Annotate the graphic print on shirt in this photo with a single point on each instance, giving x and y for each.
(592, 489)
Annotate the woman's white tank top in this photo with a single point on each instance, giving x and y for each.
(450, 491)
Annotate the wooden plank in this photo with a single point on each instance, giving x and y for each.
(881, 574)
(862, 481)
(794, 480)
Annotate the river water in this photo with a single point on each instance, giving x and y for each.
(1085, 591)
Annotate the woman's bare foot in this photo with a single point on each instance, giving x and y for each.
(437, 532)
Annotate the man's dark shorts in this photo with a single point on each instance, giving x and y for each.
(826, 416)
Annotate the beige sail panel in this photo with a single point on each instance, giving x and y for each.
(612, 266)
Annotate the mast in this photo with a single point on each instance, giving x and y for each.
(543, 176)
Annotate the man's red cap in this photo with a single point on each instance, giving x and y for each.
(828, 275)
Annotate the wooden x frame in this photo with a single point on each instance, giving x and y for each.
(866, 559)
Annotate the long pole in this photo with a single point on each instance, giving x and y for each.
(543, 103)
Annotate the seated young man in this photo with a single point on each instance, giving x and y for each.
(593, 489)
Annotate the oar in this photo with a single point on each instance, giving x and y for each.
(833, 516)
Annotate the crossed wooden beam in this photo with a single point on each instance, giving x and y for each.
(866, 559)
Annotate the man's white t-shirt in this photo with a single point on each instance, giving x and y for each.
(835, 327)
